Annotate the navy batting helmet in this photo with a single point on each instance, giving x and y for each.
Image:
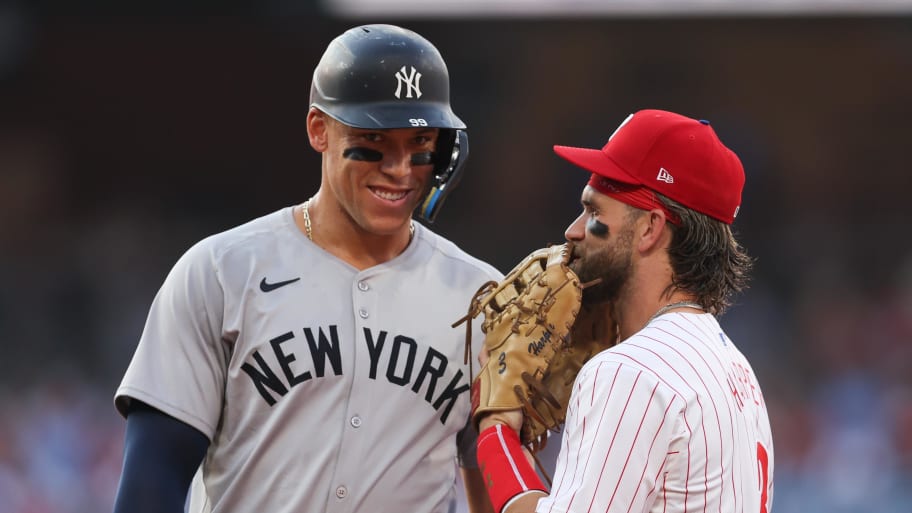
(383, 77)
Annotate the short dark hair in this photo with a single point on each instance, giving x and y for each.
(706, 260)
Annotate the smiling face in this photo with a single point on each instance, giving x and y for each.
(377, 177)
(602, 238)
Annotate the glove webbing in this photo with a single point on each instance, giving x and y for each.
(475, 307)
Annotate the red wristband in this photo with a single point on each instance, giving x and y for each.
(503, 464)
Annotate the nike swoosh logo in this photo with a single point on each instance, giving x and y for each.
(269, 287)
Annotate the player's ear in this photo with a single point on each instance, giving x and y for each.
(650, 230)
(317, 129)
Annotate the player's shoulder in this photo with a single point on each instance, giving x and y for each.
(661, 351)
(251, 236)
(454, 257)
(250, 233)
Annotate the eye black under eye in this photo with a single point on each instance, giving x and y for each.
(423, 158)
(596, 227)
(363, 154)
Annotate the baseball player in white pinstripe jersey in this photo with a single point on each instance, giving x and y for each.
(672, 419)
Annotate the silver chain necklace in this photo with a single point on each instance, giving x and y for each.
(679, 304)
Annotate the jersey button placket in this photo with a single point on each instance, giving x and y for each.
(363, 286)
(365, 303)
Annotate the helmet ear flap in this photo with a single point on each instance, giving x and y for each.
(449, 160)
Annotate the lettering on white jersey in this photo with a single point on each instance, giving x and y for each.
(743, 385)
(400, 368)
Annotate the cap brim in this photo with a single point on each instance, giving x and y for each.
(387, 115)
(595, 161)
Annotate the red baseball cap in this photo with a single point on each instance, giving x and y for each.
(674, 155)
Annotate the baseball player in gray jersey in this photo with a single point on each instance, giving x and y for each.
(280, 357)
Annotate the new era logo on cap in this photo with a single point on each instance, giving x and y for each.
(708, 177)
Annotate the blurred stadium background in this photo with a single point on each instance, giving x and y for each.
(129, 130)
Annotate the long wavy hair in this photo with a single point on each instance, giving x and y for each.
(706, 260)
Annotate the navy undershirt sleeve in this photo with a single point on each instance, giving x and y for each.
(161, 455)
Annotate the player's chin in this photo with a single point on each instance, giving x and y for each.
(387, 220)
(585, 271)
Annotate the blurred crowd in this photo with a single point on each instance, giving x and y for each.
(60, 448)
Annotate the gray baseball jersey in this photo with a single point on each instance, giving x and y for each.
(320, 387)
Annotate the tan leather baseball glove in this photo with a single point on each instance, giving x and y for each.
(536, 342)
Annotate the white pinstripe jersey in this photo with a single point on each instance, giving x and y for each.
(671, 420)
(321, 387)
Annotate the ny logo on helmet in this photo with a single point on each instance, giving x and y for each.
(411, 80)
